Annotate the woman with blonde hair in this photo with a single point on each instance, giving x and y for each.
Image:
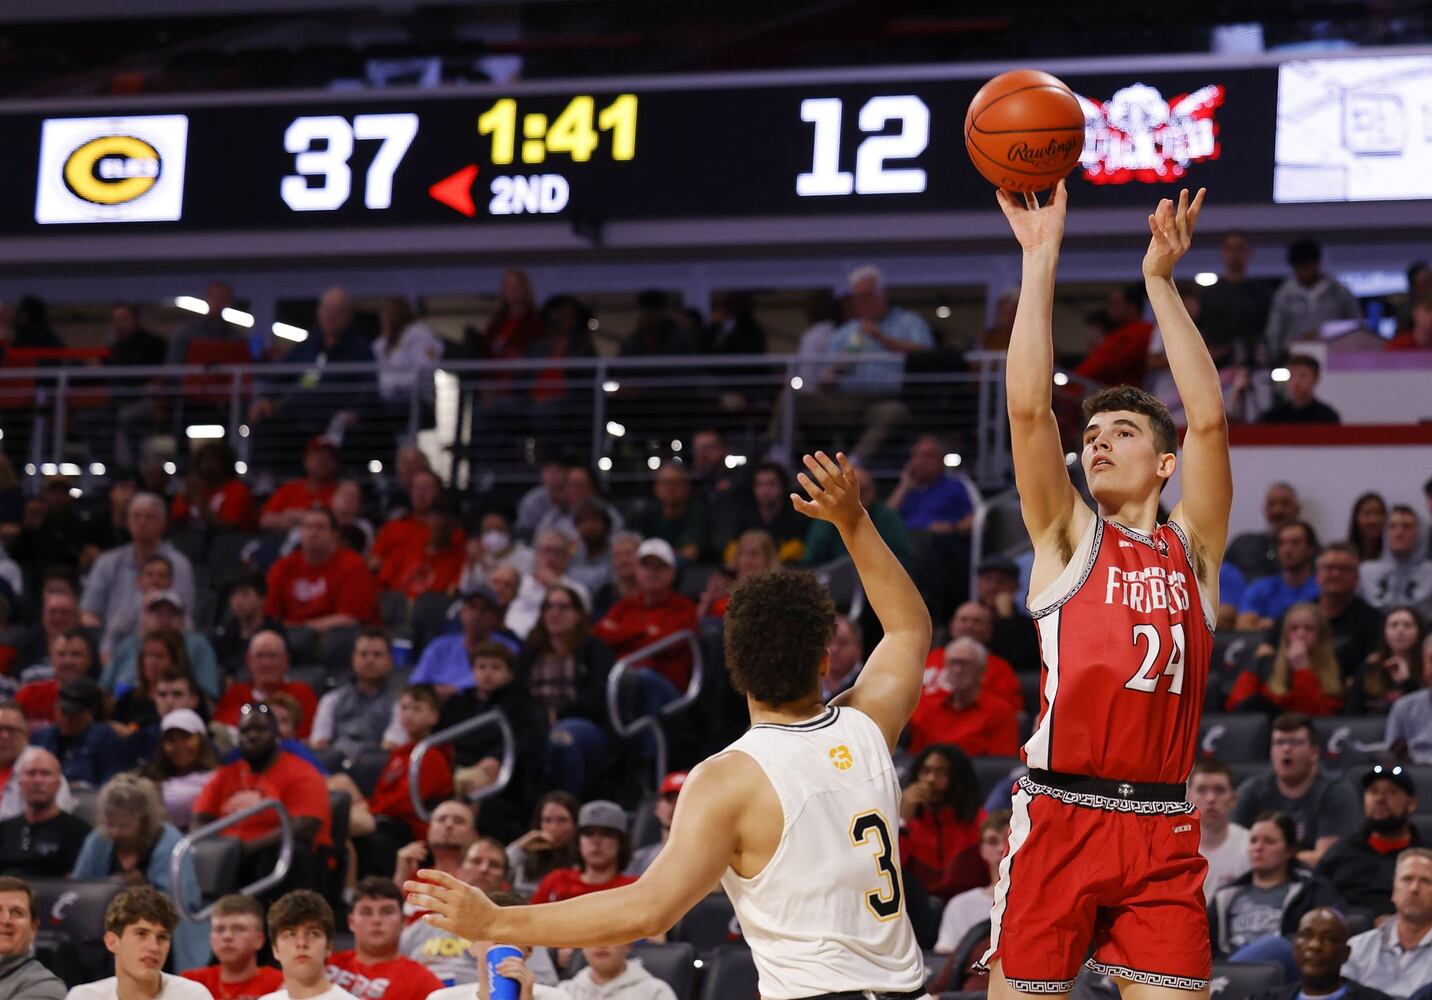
(755, 553)
(1301, 675)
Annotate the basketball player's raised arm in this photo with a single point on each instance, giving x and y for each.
(888, 687)
(1207, 474)
(1047, 499)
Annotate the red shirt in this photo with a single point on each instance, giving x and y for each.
(297, 495)
(291, 780)
(264, 981)
(1405, 342)
(397, 534)
(1305, 693)
(1000, 682)
(396, 979)
(930, 841)
(984, 729)
(566, 883)
(414, 570)
(240, 694)
(298, 591)
(390, 795)
(630, 625)
(1121, 357)
(38, 701)
(231, 503)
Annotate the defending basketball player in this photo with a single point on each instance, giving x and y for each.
(797, 819)
(1103, 846)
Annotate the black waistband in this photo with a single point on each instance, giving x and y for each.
(1111, 788)
(920, 994)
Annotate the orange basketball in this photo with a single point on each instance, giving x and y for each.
(1024, 130)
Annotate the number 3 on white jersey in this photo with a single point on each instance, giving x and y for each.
(884, 902)
(1146, 678)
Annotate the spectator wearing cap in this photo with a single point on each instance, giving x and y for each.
(70, 657)
(268, 675)
(284, 508)
(164, 610)
(112, 589)
(361, 714)
(663, 810)
(21, 973)
(321, 586)
(14, 742)
(244, 619)
(1306, 300)
(604, 849)
(1299, 405)
(1396, 957)
(412, 526)
(676, 516)
(1409, 723)
(44, 840)
(446, 663)
(89, 750)
(429, 561)
(654, 612)
(1320, 952)
(1362, 865)
(957, 711)
(181, 764)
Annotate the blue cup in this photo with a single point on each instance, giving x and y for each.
(502, 988)
(402, 653)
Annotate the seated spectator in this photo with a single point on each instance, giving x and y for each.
(755, 554)
(451, 831)
(265, 771)
(112, 589)
(354, 530)
(1403, 575)
(214, 496)
(846, 658)
(664, 809)
(957, 713)
(21, 973)
(578, 489)
(1396, 957)
(609, 973)
(156, 576)
(132, 843)
(321, 586)
(998, 588)
(1409, 723)
(361, 715)
(446, 663)
(970, 908)
(236, 936)
(1255, 553)
(44, 840)
(1319, 951)
(940, 815)
(1301, 676)
(88, 749)
(1307, 299)
(1323, 808)
(1367, 525)
(163, 612)
(550, 845)
(927, 498)
(492, 546)
(768, 508)
(604, 849)
(397, 499)
(624, 546)
(1271, 899)
(60, 613)
(1300, 406)
(244, 620)
(591, 564)
(431, 562)
(656, 334)
(1417, 337)
(1355, 624)
(139, 925)
(411, 530)
(654, 613)
(406, 350)
(1268, 599)
(162, 651)
(823, 544)
(1392, 670)
(554, 556)
(565, 670)
(1361, 865)
(182, 764)
(284, 510)
(1222, 842)
(268, 671)
(209, 325)
(973, 620)
(376, 920)
(541, 499)
(300, 926)
(13, 743)
(564, 320)
(675, 517)
(1119, 358)
(70, 657)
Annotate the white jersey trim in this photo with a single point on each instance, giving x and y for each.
(1036, 749)
(1073, 576)
(1210, 614)
(1019, 826)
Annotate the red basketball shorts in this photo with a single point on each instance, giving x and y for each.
(1123, 877)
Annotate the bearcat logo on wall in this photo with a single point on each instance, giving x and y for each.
(127, 169)
(1138, 136)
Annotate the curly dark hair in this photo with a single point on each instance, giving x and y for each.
(1127, 397)
(142, 902)
(963, 795)
(778, 626)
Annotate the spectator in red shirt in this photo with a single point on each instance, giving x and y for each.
(214, 495)
(1419, 336)
(236, 935)
(972, 620)
(1302, 675)
(940, 815)
(400, 532)
(320, 585)
(605, 849)
(1122, 355)
(374, 970)
(654, 612)
(70, 656)
(286, 507)
(267, 660)
(265, 771)
(956, 713)
(431, 559)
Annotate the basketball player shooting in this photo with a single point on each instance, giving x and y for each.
(1103, 846)
(796, 820)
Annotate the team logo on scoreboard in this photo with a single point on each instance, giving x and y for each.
(1138, 136)
(127, 169)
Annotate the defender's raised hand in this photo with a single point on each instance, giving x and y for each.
(1171, 233)
(1035, 226)
(834, 493)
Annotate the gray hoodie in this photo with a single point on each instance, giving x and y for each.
(1391, 582)
(633, 984)
(24, 976)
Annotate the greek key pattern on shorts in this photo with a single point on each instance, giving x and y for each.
(1041, 985)
(1147, 978)
(1104, 802)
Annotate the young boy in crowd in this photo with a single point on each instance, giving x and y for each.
(609, 973)
(374, 970)
(300, 925)
(138, 927)
(236, 934)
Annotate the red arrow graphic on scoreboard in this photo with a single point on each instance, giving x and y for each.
(455, 190)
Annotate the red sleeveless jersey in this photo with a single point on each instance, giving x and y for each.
(1125, 640)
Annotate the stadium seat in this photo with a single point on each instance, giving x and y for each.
(1351, 741)
(1424, 828)
(71, 935)
(989, 771)
(216, 864)
(1234, 738)
(674, 964)
(1244, 770)
(86, 802)
(429, 617)
(393, 605)
(315, 675)
(730, 975)
(1422, 777)
(1238, 980)
(709, 925)
(644, 828)
(367, 768)
(330, 757)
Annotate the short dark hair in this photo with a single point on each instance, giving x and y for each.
(376, 632)
(302, 906)
(1346, 548)
(1285, 826)
(1402, 508)
(1206, 766)
(236, 904)
(776, 469)
(495, 651)
(425, 693)
(328, 515)
(1133, 293)
(1310, 533)
(506, 897)
(778, 626)
(377, 887)
(1292, 722)
(9, 883)
(1304, 251)
(250, 579)
(1135, 400)
(1306, 361)
(168, 563)
(143, 902)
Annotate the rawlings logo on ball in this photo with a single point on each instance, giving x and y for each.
(1052, 152)
(1139, 136)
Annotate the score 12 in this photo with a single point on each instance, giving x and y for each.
(871, 176)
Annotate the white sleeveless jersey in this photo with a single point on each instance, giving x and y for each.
(827, 913)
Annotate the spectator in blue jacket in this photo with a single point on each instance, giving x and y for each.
(1265, 600)
(88, 749)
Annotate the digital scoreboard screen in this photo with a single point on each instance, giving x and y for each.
(710, 152)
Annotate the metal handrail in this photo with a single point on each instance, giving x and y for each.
(210, 830)
(652, 722)
(448, 735)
